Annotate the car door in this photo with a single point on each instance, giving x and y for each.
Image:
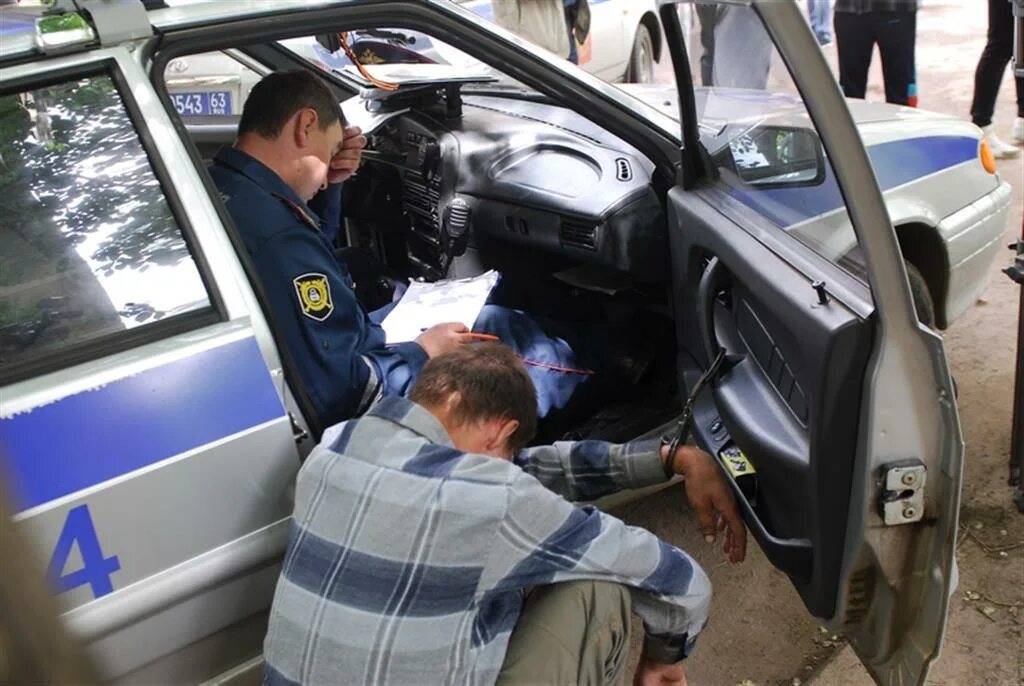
(611, 37)
(144, 426)
(833, 416)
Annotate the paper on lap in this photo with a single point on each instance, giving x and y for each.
(425, 304)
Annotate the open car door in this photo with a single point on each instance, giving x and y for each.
(834, 415)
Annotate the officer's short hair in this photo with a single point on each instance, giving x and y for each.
(279, 95)
(492, 383)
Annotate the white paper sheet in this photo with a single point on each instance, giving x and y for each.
(357, 114)
(425, 304)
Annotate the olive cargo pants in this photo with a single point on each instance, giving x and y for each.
(570, 633)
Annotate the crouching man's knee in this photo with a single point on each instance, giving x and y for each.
(576, 632)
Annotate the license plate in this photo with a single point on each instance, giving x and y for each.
(202, 104)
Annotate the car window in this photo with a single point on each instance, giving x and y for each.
(757, 129)
(88, 244)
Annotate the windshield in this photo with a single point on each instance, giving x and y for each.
(382, 50)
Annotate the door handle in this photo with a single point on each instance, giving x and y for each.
(713, 281)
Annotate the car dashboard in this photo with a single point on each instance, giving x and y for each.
(518, 171)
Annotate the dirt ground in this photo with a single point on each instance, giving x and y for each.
(760, 633)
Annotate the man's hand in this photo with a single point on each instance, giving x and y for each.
(650, 673)
(709, 494)
(443, 338)
(346, 162)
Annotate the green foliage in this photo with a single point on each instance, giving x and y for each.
(53, 23)
(72, 169)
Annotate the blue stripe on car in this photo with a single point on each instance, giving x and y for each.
(895, 163)
(91, 437)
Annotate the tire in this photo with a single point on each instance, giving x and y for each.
(641, 59)
(923, 303)
(925, 307)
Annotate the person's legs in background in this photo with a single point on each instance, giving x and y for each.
(706, 16)
(818, 12)
(855, 41)
(570, 24)
(743, 49)
(896, 33)
(1018, 124)
(989, 75)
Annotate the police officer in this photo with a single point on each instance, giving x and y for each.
(293, 145)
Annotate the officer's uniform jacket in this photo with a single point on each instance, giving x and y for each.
(340, 352)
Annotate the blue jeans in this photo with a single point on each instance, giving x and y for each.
(821, 23)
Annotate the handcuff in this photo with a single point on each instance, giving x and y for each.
(673, 441)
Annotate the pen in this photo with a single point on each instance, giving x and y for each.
(477, 336)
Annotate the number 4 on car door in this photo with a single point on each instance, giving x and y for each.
(835, 412)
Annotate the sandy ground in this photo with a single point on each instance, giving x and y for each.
(760, 633)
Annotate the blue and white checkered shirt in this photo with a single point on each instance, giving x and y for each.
(409, 560)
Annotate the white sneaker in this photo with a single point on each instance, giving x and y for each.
(1000, 150)
(1018, 130)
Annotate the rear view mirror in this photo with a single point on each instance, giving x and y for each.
(775, 157)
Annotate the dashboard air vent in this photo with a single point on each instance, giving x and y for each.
(578, 233)
(623, 169)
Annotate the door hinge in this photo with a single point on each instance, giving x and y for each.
(902, 492)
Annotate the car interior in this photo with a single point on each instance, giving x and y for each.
(457, 183)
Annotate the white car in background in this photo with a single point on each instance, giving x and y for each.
(625, 38)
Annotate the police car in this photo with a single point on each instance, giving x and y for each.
(152, 422)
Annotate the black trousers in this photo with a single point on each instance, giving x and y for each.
(856, 35)
(992, 65)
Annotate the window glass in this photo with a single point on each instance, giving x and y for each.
(389, 53)
(210, 85)
(757, 129)
(88, 244)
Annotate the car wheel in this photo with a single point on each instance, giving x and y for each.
(923, 303)
(641, 61)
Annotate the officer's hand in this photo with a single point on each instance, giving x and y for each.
(346, 162)
(650, 673)
(709, 495)
(443, 338)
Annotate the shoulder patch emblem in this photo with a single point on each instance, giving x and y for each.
(314, 295)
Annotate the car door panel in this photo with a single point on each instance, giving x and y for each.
(154, 476)
(791, 393)
(607, 35)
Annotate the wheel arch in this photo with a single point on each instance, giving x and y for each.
(921, 245)
(650, 20)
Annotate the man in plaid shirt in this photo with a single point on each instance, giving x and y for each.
(428, 547)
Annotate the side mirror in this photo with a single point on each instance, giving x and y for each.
(775, 157)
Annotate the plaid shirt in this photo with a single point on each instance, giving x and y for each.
(865, 6)
(409, 560)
